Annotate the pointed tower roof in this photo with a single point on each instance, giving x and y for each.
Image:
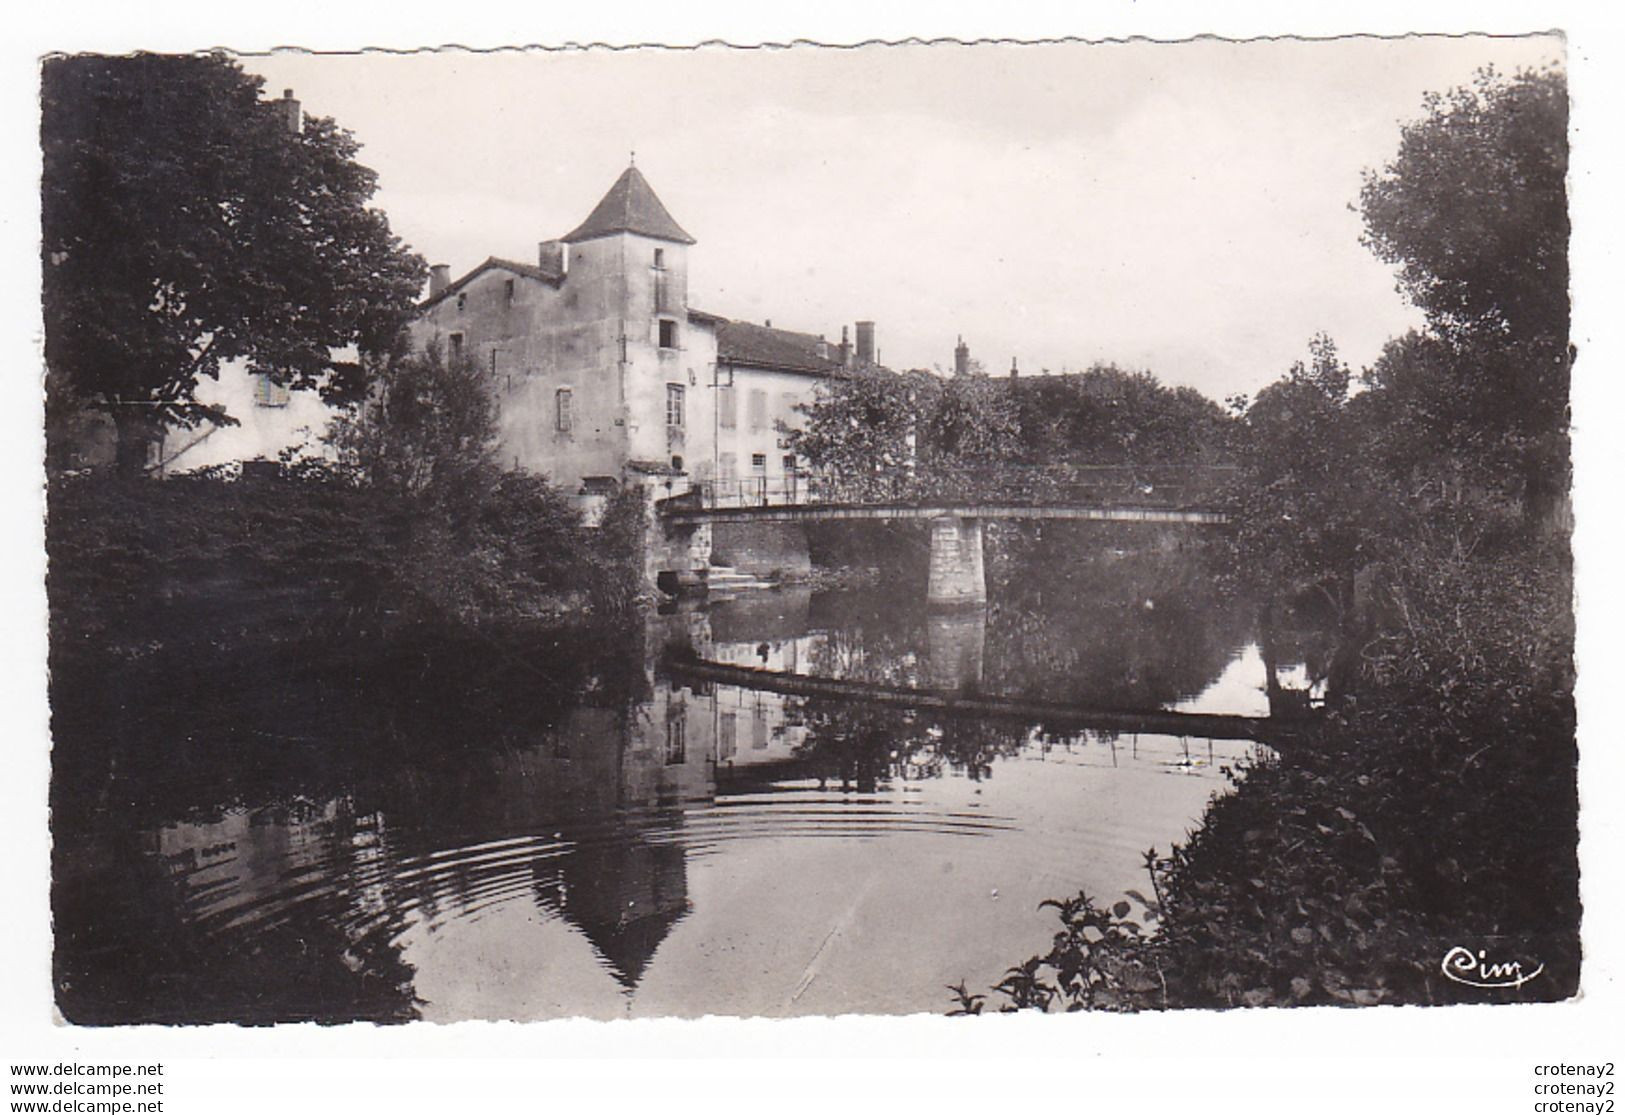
(630, 206)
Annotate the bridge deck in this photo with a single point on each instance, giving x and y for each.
(827, 512)
(1258, 729)
(1103, 493)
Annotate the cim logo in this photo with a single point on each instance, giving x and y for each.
(1476, 970)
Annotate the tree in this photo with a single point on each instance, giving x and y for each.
(973, 423)
(1107, 416)
(186, 223)
(865, 424)
(428, 428)
(1305, 508)
(1474, 211)
(477, 541)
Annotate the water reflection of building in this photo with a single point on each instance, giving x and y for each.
(594, 816)
(230, 866)
(764, 632)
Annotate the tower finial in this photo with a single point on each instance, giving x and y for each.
(634, 161)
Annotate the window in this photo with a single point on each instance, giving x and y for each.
(674, 404)
(677, 463)
(462, 300)
(668, 333)
(758, 461)
(727, 466)
(727, 408)
(660, 259)
(676, 737)
(507, 289)
(269, 393)
(758, 409)
(455, 351)
(789, 463)
(564, 410)
(728, 735)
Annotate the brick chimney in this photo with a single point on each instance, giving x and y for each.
(439, 279)
(550, 256)
(866, 342)
(290, 112)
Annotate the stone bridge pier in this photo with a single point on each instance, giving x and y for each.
(957, 575)
(955, 642)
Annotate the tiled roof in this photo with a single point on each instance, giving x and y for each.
(528, 270)
(760, 346)
(630, 206)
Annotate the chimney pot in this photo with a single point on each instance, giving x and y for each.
(290, 112)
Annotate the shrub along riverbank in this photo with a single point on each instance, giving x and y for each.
(298, 607)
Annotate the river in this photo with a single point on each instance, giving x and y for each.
(656, 844)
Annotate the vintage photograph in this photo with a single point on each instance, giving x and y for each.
(951, 528)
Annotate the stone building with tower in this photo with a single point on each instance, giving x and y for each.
(605, 373)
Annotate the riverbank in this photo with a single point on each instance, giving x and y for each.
(1418, 849)
(270, 610)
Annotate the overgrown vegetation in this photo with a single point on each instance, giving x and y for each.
(1437, 808)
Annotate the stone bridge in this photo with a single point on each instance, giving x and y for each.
(955, 501)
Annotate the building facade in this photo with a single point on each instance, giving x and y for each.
(604, 372)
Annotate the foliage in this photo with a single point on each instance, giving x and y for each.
(483, 542)
(428, 427)
(1474, 208)
(864, 423)
(1305, 505)
(878, 424)
(1106, 416)
(1474, 211)
(972, 420)
(185, 225)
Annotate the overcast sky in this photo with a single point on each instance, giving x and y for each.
(1183, 207)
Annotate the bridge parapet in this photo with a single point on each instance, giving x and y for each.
(1164, 486)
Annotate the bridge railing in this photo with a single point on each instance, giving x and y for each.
(1172, 486)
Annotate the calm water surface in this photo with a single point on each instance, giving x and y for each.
(694, 848)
